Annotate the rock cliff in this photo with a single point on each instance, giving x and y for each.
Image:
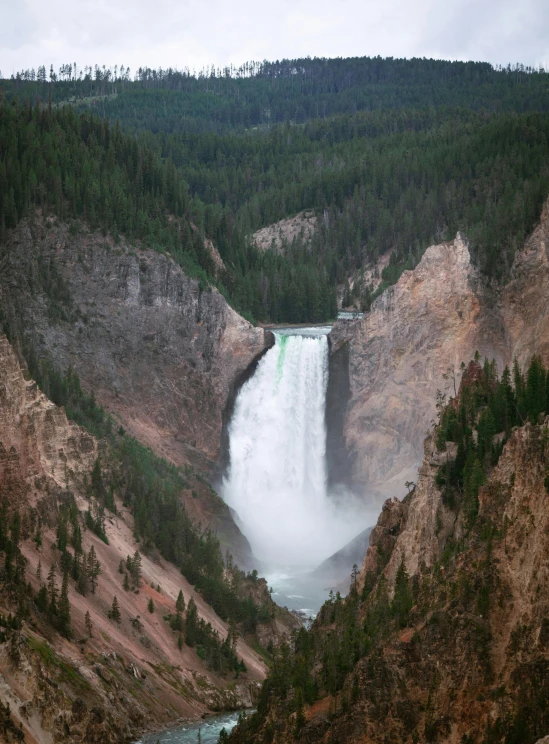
(160, 352)
(38, 445)
(158, 349)
(421, 329)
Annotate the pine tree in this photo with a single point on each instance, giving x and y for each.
(82, 584)
(88, 622)
(191, 623)
(97, 480)
(535, 389)
(150, 606)
(39, 572)
(52, 591)
(136, 569)
(180, 602)
(300, 719)
(402, 600)
(126, 583)
(77, 539)
(473, 478)
(41, 599)
(114, 612)
(93, 568)
(64, 610)
(62, 535)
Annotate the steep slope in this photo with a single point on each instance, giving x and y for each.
(446, 636)
(159, 351)
(337, 567)
(421, 329)
(108, 682)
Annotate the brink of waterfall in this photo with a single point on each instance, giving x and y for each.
(277, 480)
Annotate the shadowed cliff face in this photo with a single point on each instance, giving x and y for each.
(434, 318)
(157, 350)
(160, 354)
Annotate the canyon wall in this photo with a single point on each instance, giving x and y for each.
(448, 623)
(107, 685)
(159, 351)
(419, 331)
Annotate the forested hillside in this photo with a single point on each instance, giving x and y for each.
(391, 155)
(260, 94)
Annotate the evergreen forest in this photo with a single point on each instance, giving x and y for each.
(389, 156)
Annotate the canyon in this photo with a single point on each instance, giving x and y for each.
(470, 660)
(166, 358)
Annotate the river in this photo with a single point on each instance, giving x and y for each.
(209, 728)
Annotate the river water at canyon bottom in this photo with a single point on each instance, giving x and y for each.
(209, 728)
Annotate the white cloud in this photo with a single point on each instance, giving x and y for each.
(193, 33)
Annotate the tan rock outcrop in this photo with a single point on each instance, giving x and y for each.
(434, 318)
(37, 442)
(284, 232)
(419, 526)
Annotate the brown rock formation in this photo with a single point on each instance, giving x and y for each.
(433, 319)
(158, 350)
(37, 443)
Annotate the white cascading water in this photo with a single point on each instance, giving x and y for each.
(277, 476)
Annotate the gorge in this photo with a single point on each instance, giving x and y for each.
(240, 354)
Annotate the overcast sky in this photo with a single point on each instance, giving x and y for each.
(179, 33)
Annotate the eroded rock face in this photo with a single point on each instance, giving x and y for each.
(157, 350)
(414, 530)
(37, 442)
(433, 319)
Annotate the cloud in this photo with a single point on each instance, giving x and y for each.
(192, 33)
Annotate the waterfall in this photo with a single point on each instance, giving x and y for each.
(276, 481)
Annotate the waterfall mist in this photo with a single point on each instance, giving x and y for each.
(277, 480)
